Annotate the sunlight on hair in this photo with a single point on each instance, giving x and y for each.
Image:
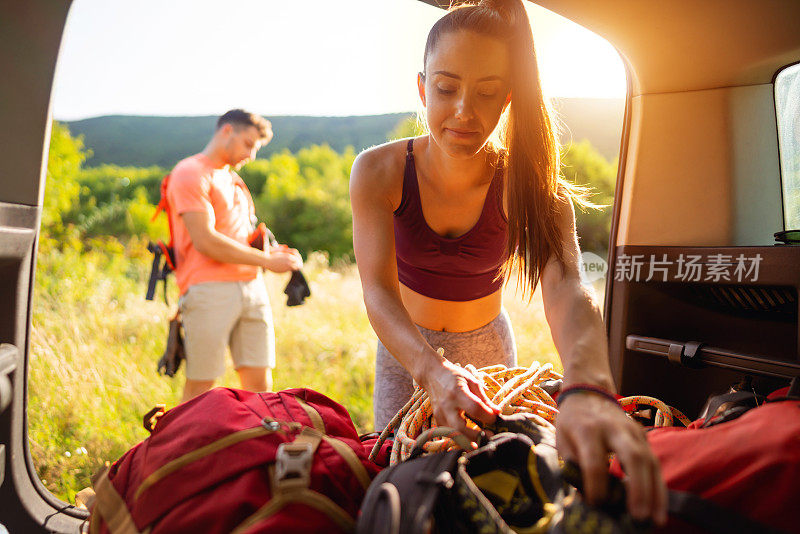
(573, 61)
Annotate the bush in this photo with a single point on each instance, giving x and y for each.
(111, 183)
(305, 200)
(64, 160)
(125, 219)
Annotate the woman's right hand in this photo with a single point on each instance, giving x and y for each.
(454, 391)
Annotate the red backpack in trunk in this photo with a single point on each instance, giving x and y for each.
(236, 461)
(750, 465)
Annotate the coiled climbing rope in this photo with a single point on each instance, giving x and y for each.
(665, 415)
(515, 390)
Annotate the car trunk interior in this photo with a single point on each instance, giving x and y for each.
(699, 177)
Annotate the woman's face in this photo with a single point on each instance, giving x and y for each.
(466, 87)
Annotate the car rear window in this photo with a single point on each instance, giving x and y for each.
(787, 106)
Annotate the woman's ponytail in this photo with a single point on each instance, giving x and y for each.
(533, 160)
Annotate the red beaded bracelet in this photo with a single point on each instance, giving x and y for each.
(585, 388)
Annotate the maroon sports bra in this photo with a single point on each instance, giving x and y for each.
(461, 268)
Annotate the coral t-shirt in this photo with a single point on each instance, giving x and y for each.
(195, 185)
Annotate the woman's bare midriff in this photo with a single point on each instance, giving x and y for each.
(448, 315)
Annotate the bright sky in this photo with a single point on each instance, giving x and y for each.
(278, 57)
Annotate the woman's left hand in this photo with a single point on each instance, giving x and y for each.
(587, 429)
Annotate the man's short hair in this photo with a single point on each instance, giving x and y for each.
(240, 117)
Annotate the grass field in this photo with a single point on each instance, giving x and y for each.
(95, 343)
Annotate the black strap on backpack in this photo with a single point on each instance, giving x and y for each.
(711, 516)
(686, 506)
(415, 486)
(503, 485)
(163, 264)
(161, 251)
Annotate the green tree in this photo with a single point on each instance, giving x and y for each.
(409, 127)
(305, 200)
(582, 164)
(64, 160)
(119, 202)
(255, 175)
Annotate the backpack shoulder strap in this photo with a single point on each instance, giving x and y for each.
(163, 205)
(110, 506)
(712, 517)
(405, 495)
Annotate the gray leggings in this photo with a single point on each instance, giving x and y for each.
(490, 344)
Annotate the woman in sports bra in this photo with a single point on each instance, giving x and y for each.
(440, 222)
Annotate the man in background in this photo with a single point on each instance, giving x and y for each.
(223, 299)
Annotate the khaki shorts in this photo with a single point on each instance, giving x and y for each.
(218, 315)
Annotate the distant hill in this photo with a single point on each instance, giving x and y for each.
(143, 141)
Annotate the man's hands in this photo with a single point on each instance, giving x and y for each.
(588, 427)
(282, 259)
(454, 392)
(217, 246)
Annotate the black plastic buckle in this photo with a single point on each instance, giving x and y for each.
(685, 354)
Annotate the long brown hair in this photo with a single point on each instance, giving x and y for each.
(527, 131)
